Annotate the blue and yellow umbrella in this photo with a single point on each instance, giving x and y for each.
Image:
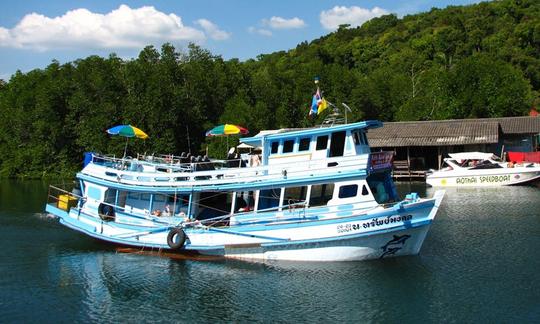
(127, 131)
(227, 129)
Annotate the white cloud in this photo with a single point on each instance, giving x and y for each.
(80, 28)
(282, 23)
(213, 30)
(260, 31)
(354, 16)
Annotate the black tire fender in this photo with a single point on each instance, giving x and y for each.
(176, 238)
(106, 212)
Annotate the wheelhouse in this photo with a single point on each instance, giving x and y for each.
(313, 144)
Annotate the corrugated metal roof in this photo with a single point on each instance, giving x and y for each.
(435, 133)
(519, 125)
(451, 132)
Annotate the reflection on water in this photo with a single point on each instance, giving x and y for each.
(479, 262)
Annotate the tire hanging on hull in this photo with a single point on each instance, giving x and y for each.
(106, 212)
(176, 238)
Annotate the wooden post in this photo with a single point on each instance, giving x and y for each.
(439, 157)
(408, 163)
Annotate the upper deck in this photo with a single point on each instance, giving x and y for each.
(297, 157)
(313, 143)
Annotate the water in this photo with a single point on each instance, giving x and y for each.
(479, 263)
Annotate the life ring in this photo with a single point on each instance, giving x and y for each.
(176, 238)
(106, 212)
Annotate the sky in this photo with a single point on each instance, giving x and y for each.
(35, 32)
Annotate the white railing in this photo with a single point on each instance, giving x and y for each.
(158, 174)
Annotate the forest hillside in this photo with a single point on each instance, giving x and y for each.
(473, 61)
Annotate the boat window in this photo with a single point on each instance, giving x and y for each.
(244, 201)
(145, 196)
(122, 196)
(337, 144)
(304, 144)
(363, 137)
(322, 142)
(295, 195)
(110, 196)
(275, 147)
(321, 194)
(126, 177)
(356, 138)
(134, 196)
(214, 204)
(288, 146)
(382, 187)
(181, 200)
(365, 192)
(348, 191)
(159, 198)
(269, 198)
(160, 205)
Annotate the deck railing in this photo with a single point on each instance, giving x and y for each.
(63, 198)
(154, 173)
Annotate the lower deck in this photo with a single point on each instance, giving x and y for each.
(336, 198)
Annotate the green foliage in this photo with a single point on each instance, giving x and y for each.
(481, 60)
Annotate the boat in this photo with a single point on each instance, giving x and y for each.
(318, 194)
(479, 169)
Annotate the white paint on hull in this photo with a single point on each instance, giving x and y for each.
(482, 179)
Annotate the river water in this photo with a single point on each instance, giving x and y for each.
(480, 262)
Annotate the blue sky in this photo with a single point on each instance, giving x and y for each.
(34, 32)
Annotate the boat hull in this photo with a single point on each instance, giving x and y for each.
(378, 233)
(375, 246)
(484, 178)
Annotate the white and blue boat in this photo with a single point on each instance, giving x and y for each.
(319, 194)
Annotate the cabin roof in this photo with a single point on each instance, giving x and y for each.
(294, 132)
(451, 132)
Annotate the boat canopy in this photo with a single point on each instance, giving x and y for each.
(258, 139)
(472, 156)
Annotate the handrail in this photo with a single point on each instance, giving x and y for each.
(53, 197)
(157, 160)
(225, 175)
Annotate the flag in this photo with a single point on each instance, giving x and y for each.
(318, 104)
(315, 103)
(322, 106)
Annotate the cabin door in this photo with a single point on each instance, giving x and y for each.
(337, 144)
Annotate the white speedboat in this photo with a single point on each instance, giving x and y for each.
(318, 195)
(476, 169)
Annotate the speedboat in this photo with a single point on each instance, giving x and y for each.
(319, 194)
(477, 169)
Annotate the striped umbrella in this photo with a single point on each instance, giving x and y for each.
(127, 131)
(227, 129)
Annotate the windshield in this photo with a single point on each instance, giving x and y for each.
(382, 187)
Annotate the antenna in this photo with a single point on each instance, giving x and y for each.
(188, 141)
(346, 108)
